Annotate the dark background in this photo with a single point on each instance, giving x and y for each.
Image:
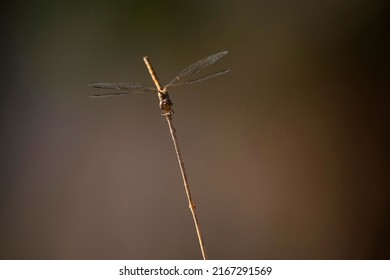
(287, 155)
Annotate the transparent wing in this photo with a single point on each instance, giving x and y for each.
(195, 68)
(200, 79)
(110, 94)
(129, 87)
(123, 89)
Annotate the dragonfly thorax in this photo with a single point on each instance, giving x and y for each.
(166, 104)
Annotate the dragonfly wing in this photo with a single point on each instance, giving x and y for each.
(132, 87)
(123, 89)
(200, 79)
(196, 67)
(109, 94)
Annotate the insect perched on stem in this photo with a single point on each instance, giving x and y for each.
(183, 78)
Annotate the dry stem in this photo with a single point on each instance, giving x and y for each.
(168, 117)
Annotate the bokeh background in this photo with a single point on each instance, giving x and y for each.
(287, 155)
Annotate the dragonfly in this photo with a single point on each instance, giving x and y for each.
(185, 77)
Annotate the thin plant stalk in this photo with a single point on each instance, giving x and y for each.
(167, 113)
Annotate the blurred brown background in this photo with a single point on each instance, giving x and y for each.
(287, 155)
